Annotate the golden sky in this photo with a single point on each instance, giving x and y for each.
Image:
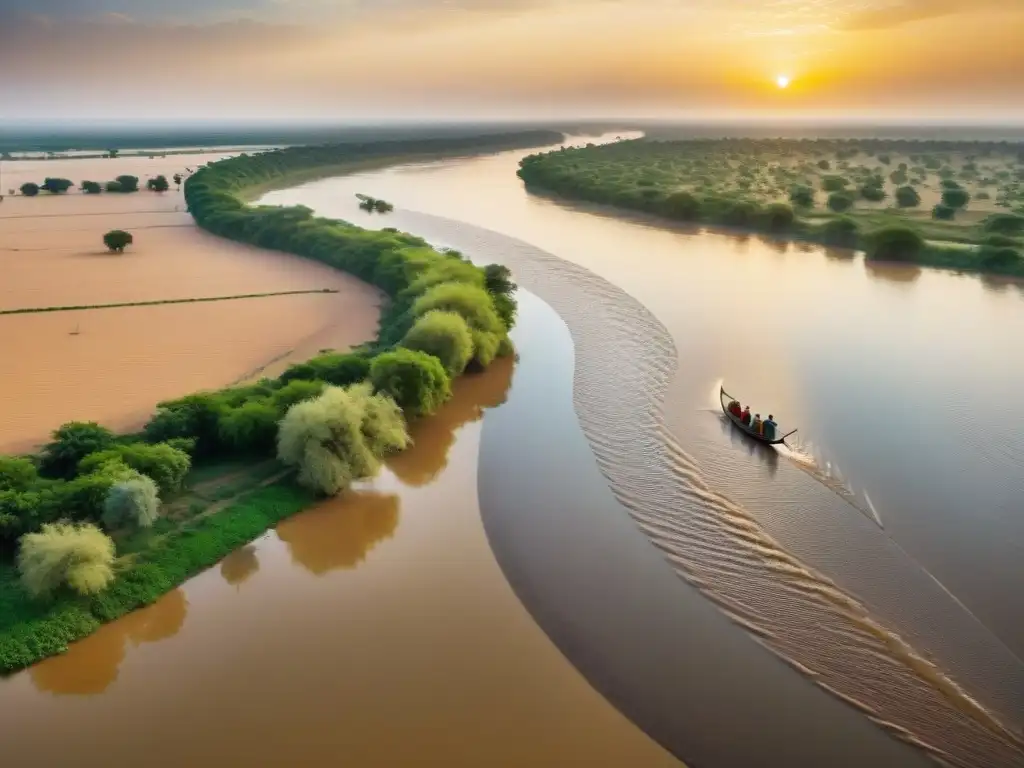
(935, 59)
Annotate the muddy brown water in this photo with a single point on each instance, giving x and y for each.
(880, 556)
(375, 630)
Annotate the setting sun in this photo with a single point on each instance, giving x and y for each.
(782, 81)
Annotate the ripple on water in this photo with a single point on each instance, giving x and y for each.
(720, 547)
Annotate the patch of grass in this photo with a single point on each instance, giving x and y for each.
(31, 630)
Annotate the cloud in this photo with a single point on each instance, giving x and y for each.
(896, 13)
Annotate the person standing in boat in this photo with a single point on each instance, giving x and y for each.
(756, 426)
(769, 427)
(745, 418)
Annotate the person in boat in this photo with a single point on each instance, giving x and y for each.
(735, 410)
(769, 428)
(745, 416)
(756, 426)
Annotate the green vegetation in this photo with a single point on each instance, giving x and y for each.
(326, 422)
(125, 183)
(56, 186)
(949, 193)
(91, 187)
(158, 184)
(374, 204)
(446, 336)
(117, 240)
(31, 310)
(29, 189)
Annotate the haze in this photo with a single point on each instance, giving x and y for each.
(499, 59)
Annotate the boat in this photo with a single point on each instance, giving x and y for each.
(725, 398)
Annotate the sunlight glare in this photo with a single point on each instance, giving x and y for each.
(782, 81)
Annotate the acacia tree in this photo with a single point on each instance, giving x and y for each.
(907, 197)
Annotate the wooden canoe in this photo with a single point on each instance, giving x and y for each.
(725, 398)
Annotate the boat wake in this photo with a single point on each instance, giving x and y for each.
(904, 652)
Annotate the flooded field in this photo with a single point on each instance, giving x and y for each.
(376, 628)
(114, 365)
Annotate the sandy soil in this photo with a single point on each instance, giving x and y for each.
(122, 362)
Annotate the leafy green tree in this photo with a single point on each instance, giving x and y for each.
(113, 186)
(91, 187)
(841, 230)
(446, 336)
(943, 212)
(872, 193)
(56, 186)
(128, 183)
(498, 282)
(133, 502)
(417, 381)
(682, 206)
(29, 189)
(907, 197)
(840, 202)
(956, 198)
(778, 217)
(158, 184)
(824, 165)
(79, 556)
(17, 474)
(251, 427)
(476, 308)
(295, 391)
(802, 196)
(196, 416)
(895, 244)
(834, 183)
(340, 437)
(166, 464)
(177, 180)
(71, 443)
(117, 240)
(1000, 258)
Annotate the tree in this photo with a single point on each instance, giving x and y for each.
(899, 176)
(778, 216)
(128, 183)
(71, 443)
(907, 197)
(840, 202)
(166, 464)
(17, 473)
(895, 244)
(477, 309)
(824, 165)
(841, 230)
(251, 427)
(117, 240)
(834, 183)
(802, 196)
(56, 186)
(91, 187)
(113, 186)
(131, 502)
(446, 336)
(158, 184)
(80, 556)
(498, 282)
(956, 198)
(682, 206)
(1000, 259)
(873, 193)
(417, 381)
(295, 391)
(29, 189)
(340, 437)
(177, 180)
(943, 212)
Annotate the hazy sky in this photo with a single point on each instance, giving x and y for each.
(961, 59)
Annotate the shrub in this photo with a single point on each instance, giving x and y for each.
(127, 183)
(873, 193)
(71, 443)
(113, 186)
(29, 189)
(195, 416)
(841, 230)
(899, 176)
(895, 244)
(117, 240)
(950, 184)
(498, 283)
(295, 391)
(91, 187)
(1000, 259)
(476, 308)
(682, 206)
(834, 183)
(778, 217)
(17, 473)
(416, 381)
(251, 427)
(334, 368)
(956, 198)
(840, 202)
(56, 186)
(158, 184)
(446, 336)
(131, 502)
(824, 165)
(166, 464)
(1005, 223)
(1001, 241)
(340, 437)
(907, 197)
(802, 196)
(79, 556)
(943, 212)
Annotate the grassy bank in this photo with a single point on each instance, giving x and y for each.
(34, 310)
(445, 316)
(961, 202)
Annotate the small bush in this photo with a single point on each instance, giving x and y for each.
(1000, 258)
(296, 391)
(417, 381)
(57, 186)
(841, 230)
(872, 193)
(127, 183)
(158, 184)
(91, 187)
(29, 189)
(943, 212)
(132, 502)
(778, 217)
(895, 244)
(17, 473)
(340, 437)
(166, 464)
(71, 443)
(1005, 223)
(840, 202)
(79, 556)
(446, 336)
(907, 197)
(1001, 241)
(802, 196)
(956, 198)
(476, 308)
(251, 427)
(113, 186)
(117, 240)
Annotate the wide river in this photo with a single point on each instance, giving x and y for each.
(743, 606)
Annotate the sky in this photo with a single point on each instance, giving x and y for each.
(957, 60)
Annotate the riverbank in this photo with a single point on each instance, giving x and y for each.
(400, 265)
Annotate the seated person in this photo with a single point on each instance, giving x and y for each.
(734, 409)
(756, 426)
(770, 427)
(745, 417)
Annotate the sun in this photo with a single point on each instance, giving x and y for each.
(782, 81)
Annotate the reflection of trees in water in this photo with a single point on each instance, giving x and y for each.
(339, 532)
(91, 664)
(239, 565)
(765, 454)
(893, 273)
(433, 436)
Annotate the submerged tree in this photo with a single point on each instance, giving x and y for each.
(56, 186)
(29, 189)
(158, 184)
(91, 187)
(117, 240)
